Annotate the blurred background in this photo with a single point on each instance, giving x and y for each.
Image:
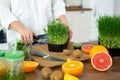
(82, 17)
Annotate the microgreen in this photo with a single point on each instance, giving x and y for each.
(109, 31)
(57, 32)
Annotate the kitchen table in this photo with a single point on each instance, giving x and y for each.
(89, 73)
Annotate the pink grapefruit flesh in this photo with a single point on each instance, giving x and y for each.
(101, 61)
(86, 48)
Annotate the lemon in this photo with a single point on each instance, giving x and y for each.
(70, 77)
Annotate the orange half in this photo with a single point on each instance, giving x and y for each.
(30, 66)
(73, 67)
(98, 48)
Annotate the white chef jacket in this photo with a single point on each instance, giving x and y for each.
(34, 14)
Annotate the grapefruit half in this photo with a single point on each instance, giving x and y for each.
(101, 61)
(87, 48)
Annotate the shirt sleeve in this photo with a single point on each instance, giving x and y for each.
(58, 8)
(6, 16)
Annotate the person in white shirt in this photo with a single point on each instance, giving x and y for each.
(25, 18)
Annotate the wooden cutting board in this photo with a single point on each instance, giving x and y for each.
(48, 63)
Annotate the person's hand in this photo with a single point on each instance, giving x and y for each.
(63, 19)
(70, 33)
(26, 35)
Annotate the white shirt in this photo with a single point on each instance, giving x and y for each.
(34, 14)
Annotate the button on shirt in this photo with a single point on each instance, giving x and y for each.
(34, 14)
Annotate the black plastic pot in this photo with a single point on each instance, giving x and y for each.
(57, 47)
(112, 51)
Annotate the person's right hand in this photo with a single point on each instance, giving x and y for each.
(25, 34)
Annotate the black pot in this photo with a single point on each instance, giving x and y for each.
(57, 47)
(112, 51)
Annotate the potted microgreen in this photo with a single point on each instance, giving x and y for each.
(21, 46)
(109, 33)
(57, 34)
(25, 47)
